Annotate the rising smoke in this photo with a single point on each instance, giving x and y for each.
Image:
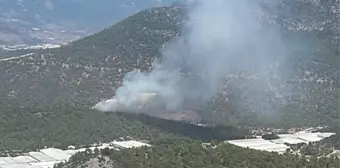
(221, 37)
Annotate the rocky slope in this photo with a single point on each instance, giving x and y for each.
(92, 68)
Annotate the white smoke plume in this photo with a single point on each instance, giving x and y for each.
(220, 37)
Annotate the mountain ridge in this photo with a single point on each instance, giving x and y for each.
(47, 21)
(62, 60)
(90, 69)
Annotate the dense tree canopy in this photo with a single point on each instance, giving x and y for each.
(31, 128)
(192, 154)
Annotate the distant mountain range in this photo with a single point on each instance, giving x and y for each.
(59, 21)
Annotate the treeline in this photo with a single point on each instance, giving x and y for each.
(30, 128)
(216, 132)
(192, 154)
(34, 128)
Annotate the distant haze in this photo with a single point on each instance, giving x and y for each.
(220, 38)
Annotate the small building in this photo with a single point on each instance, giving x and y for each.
(24, 159)
(326, 134)
(260, 144)
(128, 144)
(44, 164)
(19, 166)
(41, 157)
(47, 158)
(71, 147)
(292, 140)
(8, 160)
(57, 154)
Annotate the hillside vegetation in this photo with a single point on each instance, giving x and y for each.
(45, 97)
(92, 68)
(26, 129)
(48, 94)
(29, 129)
(188, 153)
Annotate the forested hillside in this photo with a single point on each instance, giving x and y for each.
(29, 128)
(188, 153)
(92, 68)
(45, 98)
